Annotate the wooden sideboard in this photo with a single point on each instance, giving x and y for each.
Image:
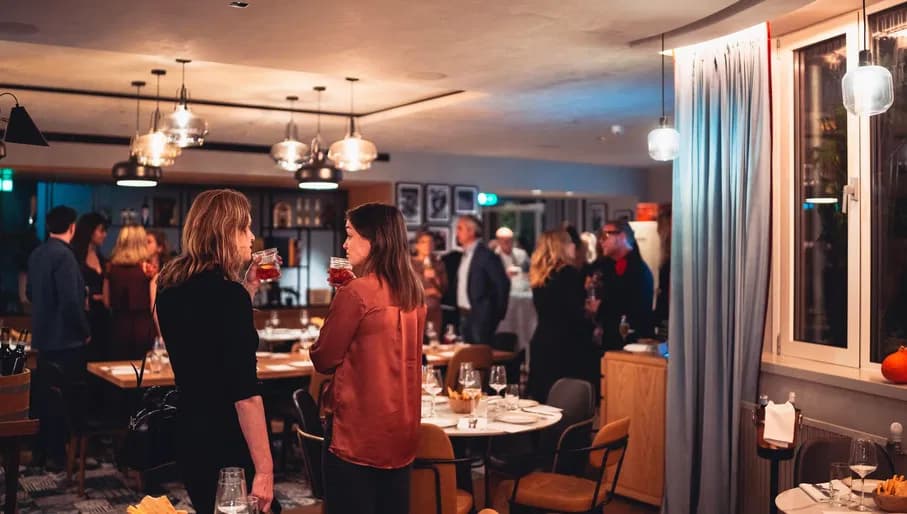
(633, 384)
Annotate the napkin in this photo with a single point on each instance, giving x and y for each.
(779, 424)
(543, 409)
(279, 367)
(813, 492)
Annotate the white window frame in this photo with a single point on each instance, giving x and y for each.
(857, 354)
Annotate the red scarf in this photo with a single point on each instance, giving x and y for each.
(620, 267)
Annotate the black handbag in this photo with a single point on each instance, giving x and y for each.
(150, 437)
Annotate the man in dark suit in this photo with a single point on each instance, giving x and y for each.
(480, 283)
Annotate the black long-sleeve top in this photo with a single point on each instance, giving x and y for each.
(628, 294)
(57, 292)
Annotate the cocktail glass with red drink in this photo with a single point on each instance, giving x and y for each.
(268, 266)
(340, 272)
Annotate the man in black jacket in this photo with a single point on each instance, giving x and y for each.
(624, 289)
(480, 283)
(59, 327)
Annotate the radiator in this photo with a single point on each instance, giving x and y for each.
(754, 471)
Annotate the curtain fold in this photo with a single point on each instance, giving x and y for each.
(720, 258)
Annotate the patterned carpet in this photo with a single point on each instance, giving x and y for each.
(106, 490)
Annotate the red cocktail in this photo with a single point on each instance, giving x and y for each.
(268, 265)
(268, 272)
(340, 272)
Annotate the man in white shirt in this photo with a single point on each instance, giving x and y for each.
(511, 256)
(482, 286)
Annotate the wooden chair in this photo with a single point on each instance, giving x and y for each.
(479, 355)
(433, 483)
(311, 439)
(567, 493)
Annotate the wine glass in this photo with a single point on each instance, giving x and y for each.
(497, 379)
(431, 384)
(863, 461)
(252, 503)
(464, 367)
(304, 319)
(472, 388)
(231, 492)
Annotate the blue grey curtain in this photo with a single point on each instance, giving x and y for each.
(720, 263)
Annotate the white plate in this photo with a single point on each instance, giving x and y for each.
(280, 355)
(525, 404)
(440, 422)
(517, 418)
(641, 348)
(262, 355)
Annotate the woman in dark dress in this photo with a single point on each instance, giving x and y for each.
(127, 294)
(434, 278)
(91, 231)
(561, 345)
(204, 310)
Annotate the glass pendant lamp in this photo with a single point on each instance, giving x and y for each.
(353, 152)
(868, 89)
(183, 127)
(290, 153)
(318, 173)
(664, 141)
(130, 173)
(154, 148)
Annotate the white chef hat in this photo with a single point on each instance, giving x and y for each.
(504, 233)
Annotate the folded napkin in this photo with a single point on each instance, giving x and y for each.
(279, 367)
(543, 409)
(814, 492)
(779, 424)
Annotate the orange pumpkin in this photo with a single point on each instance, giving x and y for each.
(894, 367)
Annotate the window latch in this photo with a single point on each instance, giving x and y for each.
(850, 193)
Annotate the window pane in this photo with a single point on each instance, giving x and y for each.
(889, 191)
(820, 228)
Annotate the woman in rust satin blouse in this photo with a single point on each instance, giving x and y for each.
(371, 342)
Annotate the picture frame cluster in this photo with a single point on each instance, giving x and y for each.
(432, 208)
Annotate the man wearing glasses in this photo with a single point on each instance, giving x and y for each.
(624, 292)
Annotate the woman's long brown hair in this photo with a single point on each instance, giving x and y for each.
(389, 257)
(209, 237)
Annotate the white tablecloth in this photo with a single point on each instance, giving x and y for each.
(520, 319)
(797, 501)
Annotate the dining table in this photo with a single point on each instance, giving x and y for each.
(440, 355)
(797, 501)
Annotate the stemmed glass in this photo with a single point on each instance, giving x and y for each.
(304, 319)
(464, 367)
(497, 378)
(231, 492)
(431, 384)
(863, 461)
(472, 388)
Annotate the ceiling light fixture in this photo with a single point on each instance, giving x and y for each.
(130, 173)
(183, 127)
(239, 5)
(290, 153)
(664, 142)
(20, 128)
(353, 153)
(868, 90)
(155, 148)
(318, 173)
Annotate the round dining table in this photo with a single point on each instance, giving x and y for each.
(528, 417)
(796, 501)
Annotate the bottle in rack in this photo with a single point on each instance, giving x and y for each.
(307, 215)
(298, 212)
(317, 216)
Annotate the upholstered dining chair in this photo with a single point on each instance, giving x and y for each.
(556, 492)
(814, 459)
(433, 483)
(479, 355)
(311, 439)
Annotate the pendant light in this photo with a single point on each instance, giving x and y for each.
(155, 148)
(664, 142)
(318, 173)
(130, 173)
(353, 153)
(290, 153)
(183, 127)
(868, 90)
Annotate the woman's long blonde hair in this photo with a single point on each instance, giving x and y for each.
(130, 248)
(550, 255)
(209, 237)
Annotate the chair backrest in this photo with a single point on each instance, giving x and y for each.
(317, 385)
(310, 424)
(613, 432)
(427, 479)
(814, 460)
(480, 357)
(576, 399)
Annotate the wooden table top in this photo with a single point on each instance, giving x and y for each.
(270, 366)
(441, 355)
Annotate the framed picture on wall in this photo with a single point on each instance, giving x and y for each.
(466, 199)
(596, 216)
(441, 238)
(437, 203)
(409, 201)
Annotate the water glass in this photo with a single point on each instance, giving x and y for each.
(494, 408)
(512, 396)
(231, 492)
(268, 266)
(464, 368)
(838, 492)
(252, 503)
(432, 384)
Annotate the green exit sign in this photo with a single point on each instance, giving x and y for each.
(6, 180)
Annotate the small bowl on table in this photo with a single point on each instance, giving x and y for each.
(890, 502)
(463, 406)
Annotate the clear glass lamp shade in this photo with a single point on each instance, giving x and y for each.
(664, 143)
(353, 153)
(868, 90)
(184, 128)
(154, 149)
(290, 154)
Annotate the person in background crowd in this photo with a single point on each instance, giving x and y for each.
(663, 294)
(450, 314)
(481, 284)
(158, 249)
(60, 328)
(579, 259)
(434, 278)
(625, 289)
(91, 231)
(371, 342)
(127, 293)
(515, 260)
(561, 345)
(204, 310)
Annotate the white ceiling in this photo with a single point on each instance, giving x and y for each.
(543, 79)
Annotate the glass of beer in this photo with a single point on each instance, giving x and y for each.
(340, 272)
(268, 266)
